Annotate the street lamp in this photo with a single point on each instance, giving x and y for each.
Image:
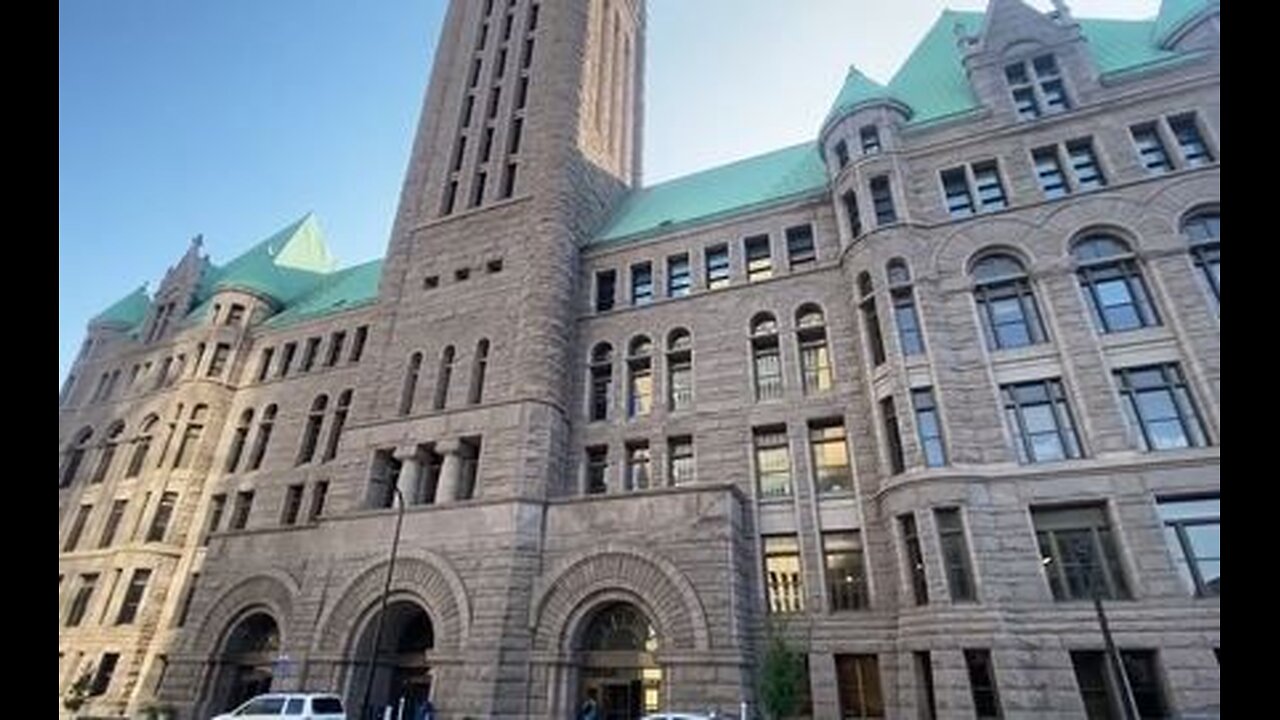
(398, 498)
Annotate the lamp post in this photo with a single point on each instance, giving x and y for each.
(1115, 665)
(398, 498)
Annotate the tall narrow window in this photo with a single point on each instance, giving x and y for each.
(479, 365)
(164, 514)
(102, 677)
(717, 263)
(1084, 164)
(1101, 693)
(188, 595)
(680, 463)
(265, 426)
(830, 452)
(850, 200)
(1010, 315)
(1151, 151)
(871, 319)
(800, 251)
(759, 258)
(238, 440)
(244, 504)
(678, 278)
(841, 150)
(679, 370)
(597, 470)
(1203, 231)
(311, 431)
(1078, 552)
(486, 144)
(915, 559)
(815, 359)
(509, 180)
(336, 341)
(442, 379)
(910, 335)
(77, 528)
(1113, 285)
(601, 380)
(1193, 532)
(80, 602)
(113, 523)
(766, 359)
(450, 195)
(218, 362)
(1040, 421)
(1158, 404)
(929, 427)
(926, 702)
(217, 506)
(882, 200)
(286, 359)
(264, 365)
(517, 130)
(955, 186)
(1053, 182)
(107, 454)
(357, 344)
(190, 437)
(858, 687)
(982, 684)
(639, 377)
(319, 493)
(292, 505)
(637, 477)
(641, 284)
(773, 461)
(846, 570)
(1187, 133)
(133, 596)
(955, 554)
(784, 588)
(141, 446)
(606, 283)
(309, 353)
(469, 470)
(477, 189)
(869, 136)
(75, 456)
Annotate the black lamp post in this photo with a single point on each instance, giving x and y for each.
(398, 498)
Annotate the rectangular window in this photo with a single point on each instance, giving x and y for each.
(319, 493)
(1084, 164)
(1187, 133)
(768, 367)
(286, 359)
(986, 180)
(218, 363)
(641, 284)
(113, 523)
(800, 251)
(882, 201)
(240, 516)
(77, 528)
(1036, 87)
(915, 559)
(184, 609)
(102, 676)
(871, 319)
(160, 521)
(910, 336)
(759, 258)
(815, 359)
(450, 197)
(1100, 693)
(309, 353)
(846, 570)
(606, 286)
(982, 684)
(637, 467)
(1159, 407)
(773, 462)
(264, 365)
(80, 603)
(292, 505)
(1151, 151)
(486, 144)
(842, 153)
(1040, 421)
(955, 554)
(925, 698)
(1193, 531)
(858, 687)
(717, 262)
(1078, 552)
(869, 136)
(133, 596)
(830, 456)
(679, 380)
(929, 427)
(678, 279)
(336, 341)
(681, 470)
(783, 586)
(850, 200)
(477, 189)
(597, 470)
(639, 387)
(357, 345)
(892, 435)
(956, 188)
(1049, 172)
(217, 506)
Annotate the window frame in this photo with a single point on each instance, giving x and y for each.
(1014, 409)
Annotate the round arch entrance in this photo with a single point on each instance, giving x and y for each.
(617, 670)
(402, 673)
(245, 664)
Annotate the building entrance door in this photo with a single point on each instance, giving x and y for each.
(617, 667)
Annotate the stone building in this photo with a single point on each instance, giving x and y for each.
(906, 396)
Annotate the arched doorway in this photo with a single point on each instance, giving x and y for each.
(616, 664)
(245, 665)
(402, 674)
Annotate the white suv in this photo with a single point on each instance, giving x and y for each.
(285, 705)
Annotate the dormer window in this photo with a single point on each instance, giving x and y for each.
(1037, 88)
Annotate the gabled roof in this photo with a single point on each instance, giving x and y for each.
(283, 267)
(747, 184)
(1174, 14)
(343, 290)
(127, 312)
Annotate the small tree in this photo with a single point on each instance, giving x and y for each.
(78, 693)
(781, 675)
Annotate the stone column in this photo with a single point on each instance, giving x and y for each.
(450, 471)
(407, 481)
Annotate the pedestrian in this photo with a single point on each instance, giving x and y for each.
(589, 709)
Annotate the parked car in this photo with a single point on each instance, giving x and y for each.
(299, 706)
(689, 716)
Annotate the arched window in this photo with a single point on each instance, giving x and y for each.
(238, 440)
(442, 379)
(479, 365)
(1010, 315)
(75, 456)
(1113, 284)
(815, 358)
(410, 383)
(679, 370)
(766, 360)
(108, 452)
(1202, 232)
(910, 335)
(870, 318)
(190, 437)
(141, 446)
(639, 376)
(601, 380)
(619, 627)
(311, 432)
(335, 428)
(265, 425)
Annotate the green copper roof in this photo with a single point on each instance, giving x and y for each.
(342, 290)
(858, 90)
(285, 266)
(754, 182)
(932, 81)
(128, 312)
(1173, 14)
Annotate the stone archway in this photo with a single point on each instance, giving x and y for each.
(614, 655)
(401, 673)
(245, 661)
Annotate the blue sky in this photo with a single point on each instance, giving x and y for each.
(233, 118)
